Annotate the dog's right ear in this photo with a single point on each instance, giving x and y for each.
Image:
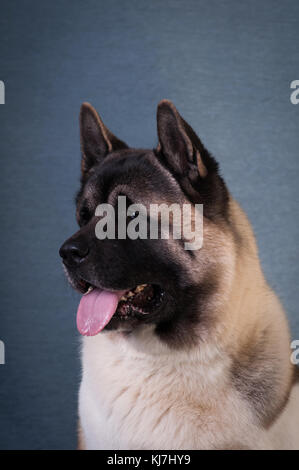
(96, 139)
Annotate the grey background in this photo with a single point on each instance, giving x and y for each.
(226, 65)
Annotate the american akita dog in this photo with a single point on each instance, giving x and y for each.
(195, 352)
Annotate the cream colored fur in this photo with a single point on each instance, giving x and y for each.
(136, 393)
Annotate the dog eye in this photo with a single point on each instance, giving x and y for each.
(133, 215)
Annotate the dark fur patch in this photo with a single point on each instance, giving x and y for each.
(182, 329)
(255, 375)
(296, 374)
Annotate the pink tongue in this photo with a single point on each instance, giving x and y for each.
(96, 310)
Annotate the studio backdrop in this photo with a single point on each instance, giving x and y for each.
(227, 66)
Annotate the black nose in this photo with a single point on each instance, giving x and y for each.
(73, 251)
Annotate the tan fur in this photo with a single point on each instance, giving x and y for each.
(230, 390)
(81, 443)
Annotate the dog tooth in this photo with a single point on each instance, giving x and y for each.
(88, 291)
(140, 288)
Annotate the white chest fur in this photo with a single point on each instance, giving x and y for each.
(130, 399)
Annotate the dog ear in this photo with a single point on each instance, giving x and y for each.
(96, 139)
(181, 148)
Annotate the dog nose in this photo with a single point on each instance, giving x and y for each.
(73, 251)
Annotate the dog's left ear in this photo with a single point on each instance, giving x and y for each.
(181, 148)
(96, 139)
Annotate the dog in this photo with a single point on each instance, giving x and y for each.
(182, 349)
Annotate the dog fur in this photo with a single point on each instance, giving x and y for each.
(235, 390)
(228, 383)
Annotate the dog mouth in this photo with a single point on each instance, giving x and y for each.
(98, 306)
(143, 299)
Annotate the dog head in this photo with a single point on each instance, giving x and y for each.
(144, 280)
